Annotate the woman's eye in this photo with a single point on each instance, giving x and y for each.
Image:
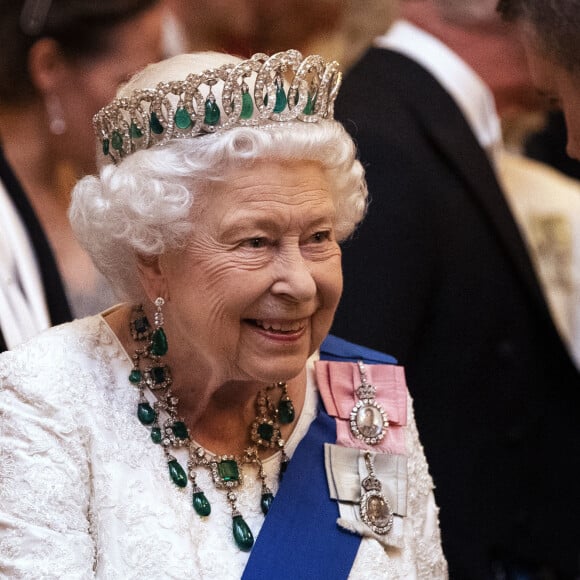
(256, 242)
(321, 237)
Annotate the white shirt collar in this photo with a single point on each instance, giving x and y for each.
(466, 88)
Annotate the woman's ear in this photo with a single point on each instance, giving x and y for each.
(47, 66)
(152, 277)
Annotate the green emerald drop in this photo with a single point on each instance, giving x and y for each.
(247, 106)
(146, 414)
(156, 435)
(286, 411)
(180, 430)
(117, 141)
(135, 376)
(182, 118)
(212, 112)
(155, 124)
(177, 473)
(141, 325)
(201, 506)
(266, 502)
(159, 342)
(105, 146)
(242, 534)
(265, 431)
(136, 133)
(158, 375)
(228, 470)
(309, 108)
(281, 100)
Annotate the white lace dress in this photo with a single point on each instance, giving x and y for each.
(84, 493)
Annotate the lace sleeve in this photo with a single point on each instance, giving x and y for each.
(423, 513)
(44, 479)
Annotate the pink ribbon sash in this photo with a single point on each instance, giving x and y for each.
(338, 382)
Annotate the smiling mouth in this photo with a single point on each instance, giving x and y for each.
(278, 326)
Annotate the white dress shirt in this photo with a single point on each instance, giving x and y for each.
(466, 88)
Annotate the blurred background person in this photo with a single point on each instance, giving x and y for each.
(220, 25)
(341, 29)
(338, 29)
(62, 60)
(549, 33)
(544, 202)
(440, 275)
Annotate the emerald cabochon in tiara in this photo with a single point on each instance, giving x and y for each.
(189, 107)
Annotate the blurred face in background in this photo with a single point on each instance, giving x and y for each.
(556, 84)
(220, 25)
(474, 30)
(293, 23)
(87, 84)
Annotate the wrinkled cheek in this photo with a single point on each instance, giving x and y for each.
(335, 284)
(330, 297)
(216, 312)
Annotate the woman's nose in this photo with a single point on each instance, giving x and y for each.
(293, 277)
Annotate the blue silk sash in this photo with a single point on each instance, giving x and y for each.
(300, 537)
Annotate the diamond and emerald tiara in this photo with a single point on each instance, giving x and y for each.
(252, 91)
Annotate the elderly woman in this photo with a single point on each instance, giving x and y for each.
(151, 440)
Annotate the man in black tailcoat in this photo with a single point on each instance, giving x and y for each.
(439, 276)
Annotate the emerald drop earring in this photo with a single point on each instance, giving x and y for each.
(159, 344)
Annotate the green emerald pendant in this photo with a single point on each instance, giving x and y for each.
(265, 431)
(135, 376)
(309, 107)
(156, 435)
(281, 100)
(266, 502)
(177, 473)
(145, 413)
(247, 106)
(141, 326)
(310, 102)
(105, 146)
(242, 534)
(155, 124)
(286, 411)
(159, 343)
(158, 375)
(180, 430)
(228, 470)
(136, 133)
(201, 505)
(212, 112)
(182, 118)
(117, 141)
